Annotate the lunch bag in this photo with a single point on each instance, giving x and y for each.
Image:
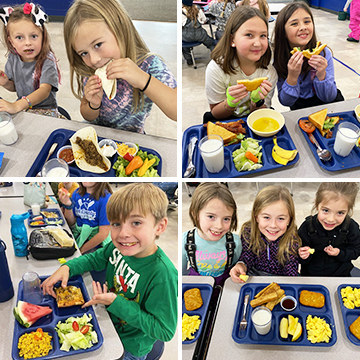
(35, 193)
(43, 247)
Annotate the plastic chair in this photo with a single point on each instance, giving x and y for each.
(157, 351)
(191, 45)
(63, 112)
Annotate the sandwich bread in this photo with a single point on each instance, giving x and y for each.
(226, 135)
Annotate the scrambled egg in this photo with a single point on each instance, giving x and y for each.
(350, 297)
(34, 344)
(123, 149)
(318, 330)
(190, 324)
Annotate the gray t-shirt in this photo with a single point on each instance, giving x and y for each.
(22, 73)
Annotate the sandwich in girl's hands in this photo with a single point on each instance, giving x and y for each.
(307, 53)
(109, 85)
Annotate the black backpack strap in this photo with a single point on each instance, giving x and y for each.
(344, 230)
(190, 248)
(230, 249)
(310, 226)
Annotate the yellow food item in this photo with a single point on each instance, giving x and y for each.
(293, 321)
(252, 85)
(282, 156)
(190, 324)
(311, 251)
(265, 124)
(34, 344)
(355, 328)
(123, 149)
(307, 53)
(284, 326)
(350, 297)
(244, 277)
(318, 330)
(297, 332)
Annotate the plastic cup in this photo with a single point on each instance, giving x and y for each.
(8, 134)
(31, 288)
(288, 303)
(35, 208)
(212, 152)
(55, 168)
(346, 137)
(261, 317)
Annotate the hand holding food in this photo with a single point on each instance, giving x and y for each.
(61, 274)
(307, 53)
(252, 85)
(93, 91)
(109, 85)
(236, 271)
(244, 278)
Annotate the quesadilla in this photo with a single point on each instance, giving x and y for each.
(87, 153)
(108, 85)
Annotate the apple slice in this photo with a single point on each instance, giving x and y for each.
(311, 251)
(284, 325)
(292, 324)
(297, 332)
(244, 277)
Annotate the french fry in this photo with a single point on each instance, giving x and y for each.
(270, 286)
(264, 299)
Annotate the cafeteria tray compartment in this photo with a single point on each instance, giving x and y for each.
(337, 162)
(199, 131)
(206, 292)
(250, 336)
(61, 137)
(48, 322)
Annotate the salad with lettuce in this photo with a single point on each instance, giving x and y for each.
(76, 332)
(121, 164)
(248, 156)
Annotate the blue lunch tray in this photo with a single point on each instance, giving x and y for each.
(62, 136)
(250, 336)
(46, 220)
(206, 292)
(283, 139)
(48, 322)
(349, 315)
(337, 162)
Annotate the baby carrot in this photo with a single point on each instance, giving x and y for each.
(251, 157)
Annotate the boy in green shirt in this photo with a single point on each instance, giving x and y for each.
(141, 282)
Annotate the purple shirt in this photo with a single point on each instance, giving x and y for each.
(267, 261)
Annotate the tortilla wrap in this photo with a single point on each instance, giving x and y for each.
(88, 133)
(108, 85)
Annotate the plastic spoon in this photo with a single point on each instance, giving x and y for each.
(190, 170)
(324, 155)
(51, 151)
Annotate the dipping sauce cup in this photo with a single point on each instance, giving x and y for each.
(261, 317)
(8, 134)
(31, 288)
(212, 152)
(288, 303)
(346, 137)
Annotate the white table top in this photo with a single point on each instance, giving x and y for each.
(188, 349)
(222, 345)
(34, 130)
(112, 347)
(17, 189)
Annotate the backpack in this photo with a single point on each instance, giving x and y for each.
(343, 232)
(190, 248)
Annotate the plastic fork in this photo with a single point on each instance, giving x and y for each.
(243, 322)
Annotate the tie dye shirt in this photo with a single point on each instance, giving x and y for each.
(117, 113)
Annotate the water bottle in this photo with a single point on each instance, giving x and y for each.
(19, 234)
(6, 286)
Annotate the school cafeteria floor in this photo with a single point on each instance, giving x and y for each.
(160, 38)
(245, 192)
(329, 30)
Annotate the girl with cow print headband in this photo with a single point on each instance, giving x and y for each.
(31, 69)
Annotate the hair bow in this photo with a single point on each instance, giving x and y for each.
(38, 16)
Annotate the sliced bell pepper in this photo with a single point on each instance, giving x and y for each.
(147, 164)
(128, 157)
(134, 164)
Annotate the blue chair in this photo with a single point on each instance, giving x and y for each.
(191, 45)
(157, 351)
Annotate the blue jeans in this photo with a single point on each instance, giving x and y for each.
(129, 356)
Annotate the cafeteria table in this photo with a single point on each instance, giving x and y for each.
(222, 345)
(188, 349)
(112, 347)
(34, 130)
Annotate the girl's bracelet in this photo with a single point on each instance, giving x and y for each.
(94, 108)
(147, 84)
(67, 207)
(28, 101)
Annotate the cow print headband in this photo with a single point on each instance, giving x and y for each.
(38, 16)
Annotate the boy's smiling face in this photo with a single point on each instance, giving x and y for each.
(136, 235)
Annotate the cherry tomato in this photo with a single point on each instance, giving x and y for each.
(75, 326)
(85, 329)
(307, 126)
